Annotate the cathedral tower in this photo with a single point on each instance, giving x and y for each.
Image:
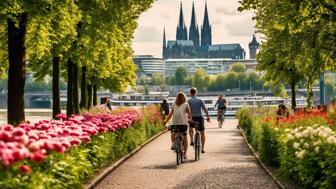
(253, 46)
(206, 36)
(193, 31)
(181, 30)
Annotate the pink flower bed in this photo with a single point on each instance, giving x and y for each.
(34, 141)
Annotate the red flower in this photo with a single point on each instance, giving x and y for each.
(25, 169)
(37, 157)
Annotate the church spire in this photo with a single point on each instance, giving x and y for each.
(206, 36)
(181, 31)
(181, 18)
(193, 31)
(206, 22)
(193, 17)
(164, 38)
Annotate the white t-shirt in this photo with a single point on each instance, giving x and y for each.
(180, 114)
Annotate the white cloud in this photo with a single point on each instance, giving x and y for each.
(147, 34)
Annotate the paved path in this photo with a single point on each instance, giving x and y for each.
(227, 163)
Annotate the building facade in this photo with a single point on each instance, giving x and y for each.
(212, 66)
(151, 66)
(198, 44)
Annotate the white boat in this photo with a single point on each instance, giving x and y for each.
(234, 102)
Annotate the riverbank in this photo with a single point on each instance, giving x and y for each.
(33, 115)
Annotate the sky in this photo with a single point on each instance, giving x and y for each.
(228, 24)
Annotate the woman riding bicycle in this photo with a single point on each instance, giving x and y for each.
(181, 115)
(222, 103)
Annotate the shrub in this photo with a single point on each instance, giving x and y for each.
(245, 121)
(302, 146)
(269, 144)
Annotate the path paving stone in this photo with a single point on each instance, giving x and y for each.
(227, 163)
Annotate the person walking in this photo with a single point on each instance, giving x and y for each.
(164, 107)
(181, 116)
(196, 106)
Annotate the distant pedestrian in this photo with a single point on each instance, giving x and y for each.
(196, 106)
(165, 107)
(282, 112)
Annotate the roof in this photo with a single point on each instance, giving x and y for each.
(254, 42)
(225, 47)
(183, 43)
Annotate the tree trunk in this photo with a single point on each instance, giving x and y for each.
(70, 89)
(94, 95)
(83, 103)
(55, 88)
(17, 69)
(293, 84)
(75, 89)
(89, 89)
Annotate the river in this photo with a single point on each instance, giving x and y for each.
(33, 115)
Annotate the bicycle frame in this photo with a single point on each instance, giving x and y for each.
(197, 140)
(178, 144)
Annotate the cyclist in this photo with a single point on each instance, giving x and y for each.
(196, 105)
(222, 103)
(181, 115)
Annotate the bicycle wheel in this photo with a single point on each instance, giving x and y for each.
(178, 151)
(197, 146)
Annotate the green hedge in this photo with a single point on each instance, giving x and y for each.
(260, 135)
(302, 147)
(79, 164)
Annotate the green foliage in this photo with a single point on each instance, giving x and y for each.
(238, 67)
(299, 39)
(157, 79)
(302, 146)
(245, 121)
(36, 85)
(269, 144)
(180, 75)
(199, 80)
(146, 90)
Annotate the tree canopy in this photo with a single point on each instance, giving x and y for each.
(299, 39)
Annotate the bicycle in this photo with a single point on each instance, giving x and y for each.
(178, 143)
(197, 140)
(220, 117)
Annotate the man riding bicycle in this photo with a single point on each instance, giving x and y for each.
(222, 103)
(196, 106)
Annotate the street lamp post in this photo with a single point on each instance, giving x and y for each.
(250, 86)
(322, 88)
(239, 84)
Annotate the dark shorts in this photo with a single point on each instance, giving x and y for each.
(200, 121)
(222, 108)
(182, 128)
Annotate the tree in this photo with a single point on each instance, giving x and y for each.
(241, 81)
(230, 81)
(238, 68)
(157, 79)
(19, 16)
(198, 80)
(299, 40)
(180, 75)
